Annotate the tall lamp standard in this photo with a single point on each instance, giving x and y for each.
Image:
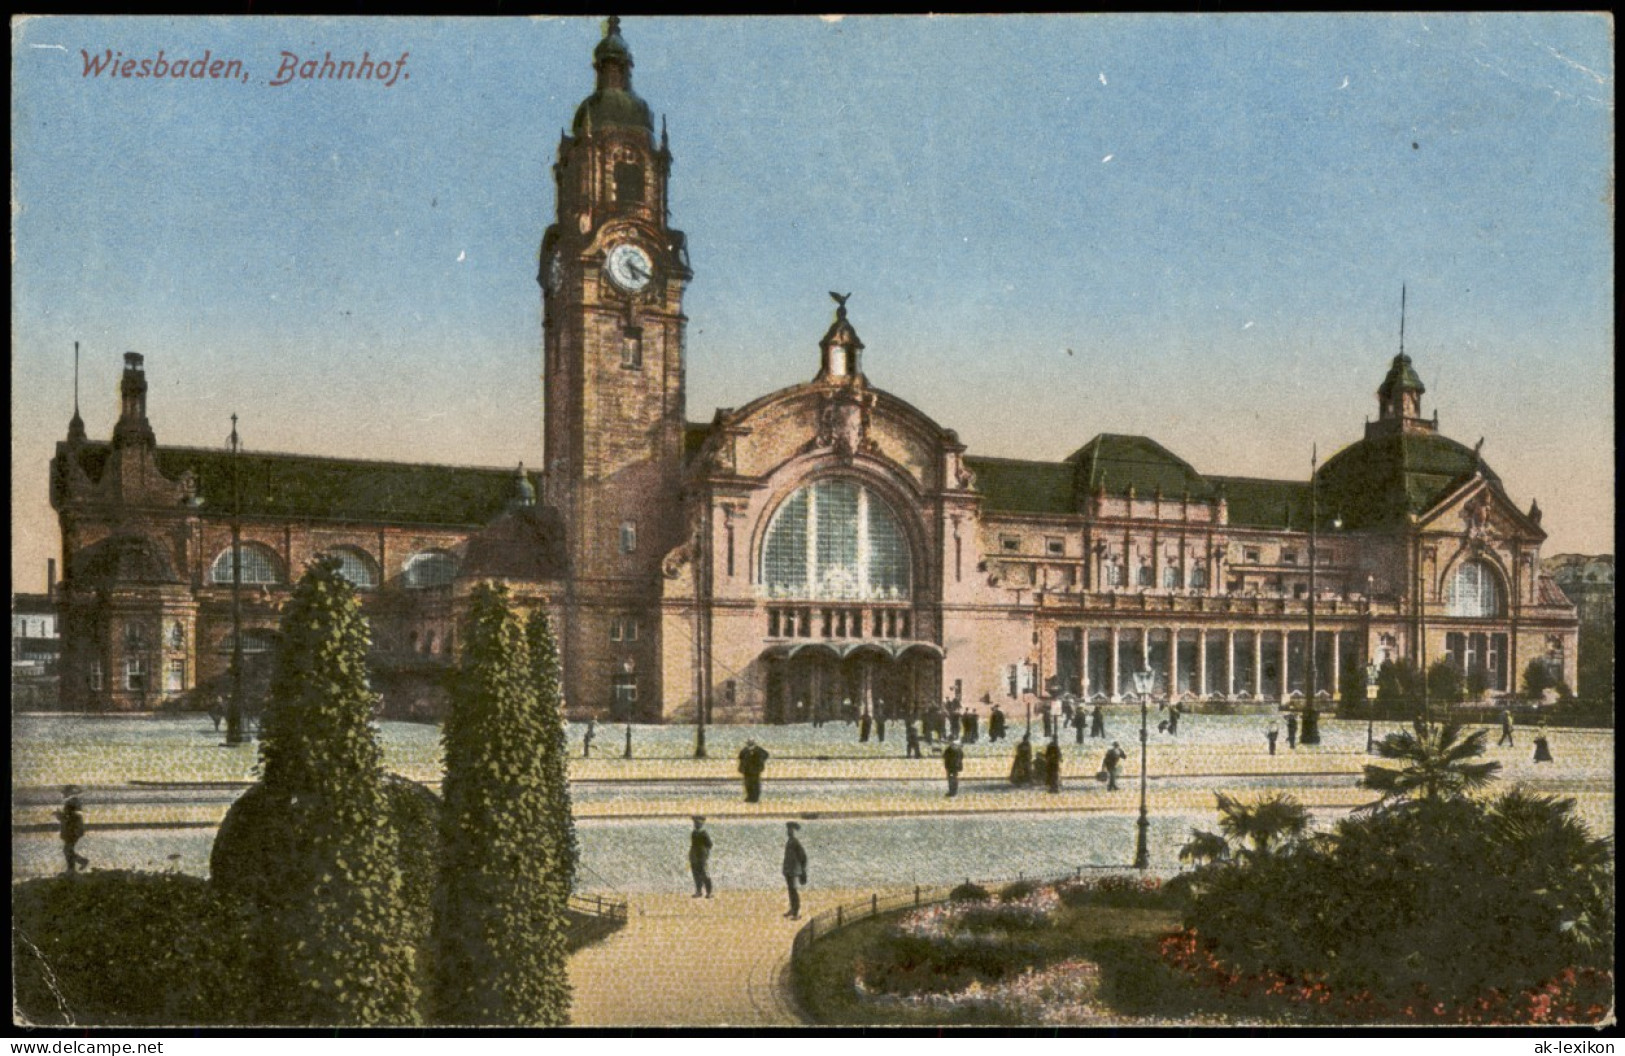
(1143, 683)
(701, 659)
(234, 709)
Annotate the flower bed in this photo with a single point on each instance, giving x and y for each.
(1066, 993)
(1575, 996)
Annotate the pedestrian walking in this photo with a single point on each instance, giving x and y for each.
(1174, 711)
(1543, 747)
(1292, 729)
(911, 739)
(1080, 722)
(71, 821)
(216, 713)
(953, 761)
(1270, 736)
(996, 724)
(865, 724)
(1097, 721)
(699, 857)
(880, 722)
(973, 723)
(1021, 769)
(1052, 764)
(752, 761)
(586, 738)
(1111, 763)
(1311, 725)
(795, 867)
(1506, 729)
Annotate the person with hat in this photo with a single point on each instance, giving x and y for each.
(795, 867)
(699, 857)
(752, 761)
(953, 761)
(1052, 762)
(1114, 759)
(1021, 769)
(72, 819)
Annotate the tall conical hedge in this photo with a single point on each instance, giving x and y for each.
(544, 671)
(334, 943)
(500, 920)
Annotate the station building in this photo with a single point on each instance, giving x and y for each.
(825, 543)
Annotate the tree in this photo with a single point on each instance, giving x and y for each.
(1537, 679)
(1398, 683)
(500, 910)
(1437, 763)
(1256, 828)
(1478, 681)
(1351, 688)
(544, 670)
(335, 940)
(1444, 681)
(1595, 680)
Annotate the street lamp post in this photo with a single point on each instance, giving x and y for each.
(234, 710)
(1143, 683)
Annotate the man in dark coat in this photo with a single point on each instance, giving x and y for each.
(72, 819)
(1021, 770)
(1113, 761)
(953, 761)
(1097, 721)
(996, 724)
(1270, 735)
(586, 738)
(1052, 764)
(911, 739)
(1292, 729)
(752, 761)
(865, 724)
(699, 857)
(1174, 711)
(880, 721)
(972, 724)
(1080, 720)
(795, 867)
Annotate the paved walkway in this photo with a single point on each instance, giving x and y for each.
(682, 961)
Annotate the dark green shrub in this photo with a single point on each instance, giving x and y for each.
(996, 918)
(128, 949)
(544, 673)
(1018, 890)
(969, 892)
(906, 964)
(256, 849)
(334, 942)
(501, 921)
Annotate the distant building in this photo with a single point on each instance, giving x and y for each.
(823, 543)
(1588, 581)
(35, 641)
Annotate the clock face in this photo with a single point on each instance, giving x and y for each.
(629, 267)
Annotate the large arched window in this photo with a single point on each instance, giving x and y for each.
(836, 540)
(431, 568)
(1474, 590)
(259, 565)
(355, 567)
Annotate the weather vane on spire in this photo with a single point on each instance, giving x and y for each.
(612, 26)
(840, 300)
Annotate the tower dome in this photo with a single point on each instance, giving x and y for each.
(613, 104)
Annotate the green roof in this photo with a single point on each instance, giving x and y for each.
(1138, 461)
(1255, 503)
(336, 489)
(1381, 480)
(1011, 485)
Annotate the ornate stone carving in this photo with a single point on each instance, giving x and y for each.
(843, 425)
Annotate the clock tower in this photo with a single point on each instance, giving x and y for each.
(612, 274)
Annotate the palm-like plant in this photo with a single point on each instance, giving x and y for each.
(1256, 828)
(1437, 764)
(1205, 848)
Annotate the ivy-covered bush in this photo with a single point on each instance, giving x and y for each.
(969, 892)
(255, 851)
(333, 942)
(122, 948)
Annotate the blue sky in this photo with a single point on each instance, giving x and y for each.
(1213, 214)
